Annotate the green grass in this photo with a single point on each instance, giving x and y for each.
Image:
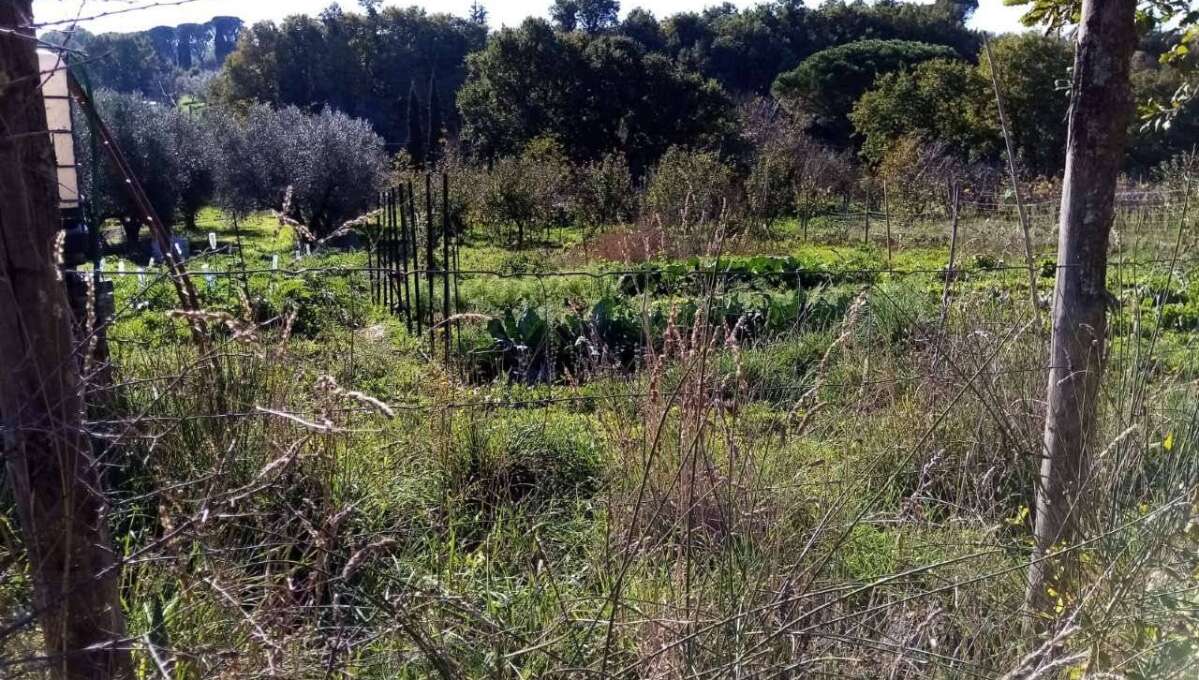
(260, 233)
(835, 471)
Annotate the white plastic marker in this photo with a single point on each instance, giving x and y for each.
(274, 261)
(209, 278)
(120, 266)
(308, 249)
(212, 240)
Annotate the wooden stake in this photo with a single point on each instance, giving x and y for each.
(867, 214)
(1011, 164)
(429, 232)
(51, 473)
(887, 217)
(954, 191)
(415, 257)
(445, 263)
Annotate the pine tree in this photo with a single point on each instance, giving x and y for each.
(478, 13)
(416, 135)
(436, 124)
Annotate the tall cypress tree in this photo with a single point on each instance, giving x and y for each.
(436, 124)
(416, 134)
(478, 13)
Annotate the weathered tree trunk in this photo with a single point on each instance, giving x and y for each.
(1099, 116)
(133, 229)
(54, 478)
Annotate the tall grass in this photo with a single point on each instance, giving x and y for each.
(850, 498)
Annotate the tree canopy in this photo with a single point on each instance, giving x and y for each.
(827, 84)
(857, 77)
(592, 93)
(943, 100)
(332, 163)
(152, 61)
(1035, 73)
(361, 64)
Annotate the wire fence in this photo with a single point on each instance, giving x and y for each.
(413, 272)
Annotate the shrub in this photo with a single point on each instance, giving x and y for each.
(917, 175)
(790, 172)
(604, 192)
(1180, 173)
(528, 192)
(690, 193)
(531, 460)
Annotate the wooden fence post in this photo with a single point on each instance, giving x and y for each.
(866, 212)
(445, 263)
(887, 218)
(415, 257)
(51, 470)
(954, 191)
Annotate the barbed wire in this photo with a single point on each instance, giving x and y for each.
(521, 404)
(666, 269)
(109, 13)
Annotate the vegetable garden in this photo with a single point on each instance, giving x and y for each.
(797, 453)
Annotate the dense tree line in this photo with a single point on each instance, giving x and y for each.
(594, 94)
(746, 50)
(878, 85)
(531, 78)
(638, 85)
(952, 102)
(375, 65)
(156, 62)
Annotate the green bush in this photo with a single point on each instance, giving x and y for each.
(530, 459)
(604, 193)
(898, 311)
(690, 192)
(779, 372)
(525, 193)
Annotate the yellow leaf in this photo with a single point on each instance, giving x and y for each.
(1168, 442)
(1019, 518)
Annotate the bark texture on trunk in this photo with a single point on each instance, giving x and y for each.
(1100, 109)
(46, 451)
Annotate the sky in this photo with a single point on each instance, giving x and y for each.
(991, 16)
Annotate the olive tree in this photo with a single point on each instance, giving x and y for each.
(330, 164)
(140, 129)
(192, 161)
(171, 154)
